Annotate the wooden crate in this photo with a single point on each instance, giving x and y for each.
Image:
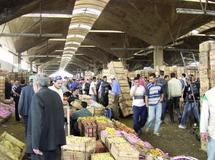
(11, 148)
(100, 147)
(101, 156)
(124, 152)
(74, 155)
(81, 144)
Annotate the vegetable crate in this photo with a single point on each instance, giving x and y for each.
(124, 151)
(101, 156)
(11, 148)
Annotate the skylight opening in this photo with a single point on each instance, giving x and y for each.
(75, 36)
(70, 48)
(70, 42)
(86, 11)
(80, 25)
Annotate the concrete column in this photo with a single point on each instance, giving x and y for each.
(19, 62)
(31, 66)
(158, 56)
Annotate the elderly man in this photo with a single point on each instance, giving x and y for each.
(45, 133)
(207, 122)
(57, 84)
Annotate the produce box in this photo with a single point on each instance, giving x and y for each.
(89, 129)
(109, 132)
(123, 127)
(124, 151)
(102, 156)
(11, 148)
(100, 147)
(74, 155)
(99, 111)
(112, 140)
(156, 154)
(81, 144)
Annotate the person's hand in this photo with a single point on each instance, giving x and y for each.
(37, 152)
(204, 136)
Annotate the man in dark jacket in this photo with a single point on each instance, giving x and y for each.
(25, 102)
(17, 97)
(45, 133)
(104, 91)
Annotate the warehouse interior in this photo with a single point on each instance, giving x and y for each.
(86, 36)
(126, 30)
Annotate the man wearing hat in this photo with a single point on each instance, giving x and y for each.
(57, 84)
(25, 101)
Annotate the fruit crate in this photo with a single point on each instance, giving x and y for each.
(11, 148)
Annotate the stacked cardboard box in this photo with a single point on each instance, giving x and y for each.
(117, 69)
(2, 88)
(206, 59)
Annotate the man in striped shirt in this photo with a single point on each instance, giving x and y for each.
(154, 98)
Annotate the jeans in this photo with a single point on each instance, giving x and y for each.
(190, 106)
(116, 107)
(164, 107)
(139, 117)
(174, 101)
(211, 148)
(154, 116)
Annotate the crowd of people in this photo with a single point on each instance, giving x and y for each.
(40, 104)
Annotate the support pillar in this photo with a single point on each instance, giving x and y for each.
(31, 66)
(158, 56)
(19, 62)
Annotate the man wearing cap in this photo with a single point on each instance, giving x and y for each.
(25, 102)
(115, 92)
(57, 84)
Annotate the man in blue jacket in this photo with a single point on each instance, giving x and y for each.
(25, 102)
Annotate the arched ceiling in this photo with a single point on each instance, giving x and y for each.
(142, 23)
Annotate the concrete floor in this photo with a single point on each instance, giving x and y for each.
(173, 140)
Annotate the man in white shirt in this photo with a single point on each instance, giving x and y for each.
(57, 84)
(174, 94)
(137, 92)
(92, 91)
(207, 122)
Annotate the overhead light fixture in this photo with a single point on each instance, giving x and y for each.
(47, 15)
(87, 46)
(197, 1)
(105, 31)
(58, 51)
(194, 11)
(80, 25)
(86, 11)
(58, 39)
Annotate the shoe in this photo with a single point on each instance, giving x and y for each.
(157, 134)
(139, 132)
(181, 126)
